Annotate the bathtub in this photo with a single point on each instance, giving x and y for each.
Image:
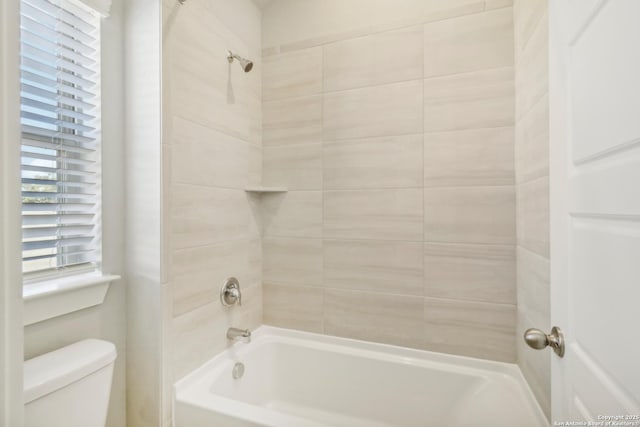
(299, 379)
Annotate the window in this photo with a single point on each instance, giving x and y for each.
(60, 117)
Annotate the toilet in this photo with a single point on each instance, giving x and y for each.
(69, 387)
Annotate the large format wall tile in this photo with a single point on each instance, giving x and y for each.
(292, 121)
(404, 156)
(532, 71)
(297, 307)
(534, 288)
(481, 99)
(470, 215)
(210, 106)
(191, 337)
(198, 273)
(369, 265)
(475, 329)
(527, 15)
(200, 334)
(211, 134)
(497, 4)
(203, 156)
(205, 215)
(292, 261)
(293, 214)
(469, 158)
(392, 319)
(469, 43)
(297, 167)
(533, 216)
(204, 88)
(292, 74)
(470, 272)
(393, 109)
(386, 162)
(254, 177)
(387, 57)
(211, 34)
(535, 366)
(373, 214)
(532, 142)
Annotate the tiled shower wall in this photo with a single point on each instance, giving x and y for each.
(397, 147)
(532, 176)
(211, 150)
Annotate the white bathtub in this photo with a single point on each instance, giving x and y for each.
(298, 379)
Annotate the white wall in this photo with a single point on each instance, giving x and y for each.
(11, 334)
(143, 253)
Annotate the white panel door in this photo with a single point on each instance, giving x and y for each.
(595, 207)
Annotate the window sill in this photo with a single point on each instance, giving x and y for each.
(51, 298)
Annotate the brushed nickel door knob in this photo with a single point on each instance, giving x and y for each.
(537, 339)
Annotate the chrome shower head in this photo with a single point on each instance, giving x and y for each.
(246, 64)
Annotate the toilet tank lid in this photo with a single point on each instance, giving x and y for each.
(51, 371)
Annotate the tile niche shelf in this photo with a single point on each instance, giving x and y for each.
(265, 190)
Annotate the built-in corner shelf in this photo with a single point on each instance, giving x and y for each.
(265, 190)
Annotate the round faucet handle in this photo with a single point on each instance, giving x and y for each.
(230, 293)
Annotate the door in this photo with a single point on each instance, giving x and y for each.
(595, 207)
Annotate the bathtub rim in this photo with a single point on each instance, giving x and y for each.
(185, 389)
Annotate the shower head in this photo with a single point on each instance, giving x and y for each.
(244, 63)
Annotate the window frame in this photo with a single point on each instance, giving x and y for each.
(45, 296)
(89, 269)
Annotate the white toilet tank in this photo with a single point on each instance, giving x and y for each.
(69, 387)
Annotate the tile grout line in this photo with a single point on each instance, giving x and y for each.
(279, 283)
(424, 199)
(372, 139)
(322, 121)
(385, 84)
(380, 240)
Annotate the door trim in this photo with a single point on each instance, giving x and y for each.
(11, 330)
(558, 191)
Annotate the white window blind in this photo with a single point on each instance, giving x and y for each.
(60, 117)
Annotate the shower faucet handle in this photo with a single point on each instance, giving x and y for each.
(230, 293)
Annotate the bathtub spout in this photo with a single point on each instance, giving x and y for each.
(235, 334)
